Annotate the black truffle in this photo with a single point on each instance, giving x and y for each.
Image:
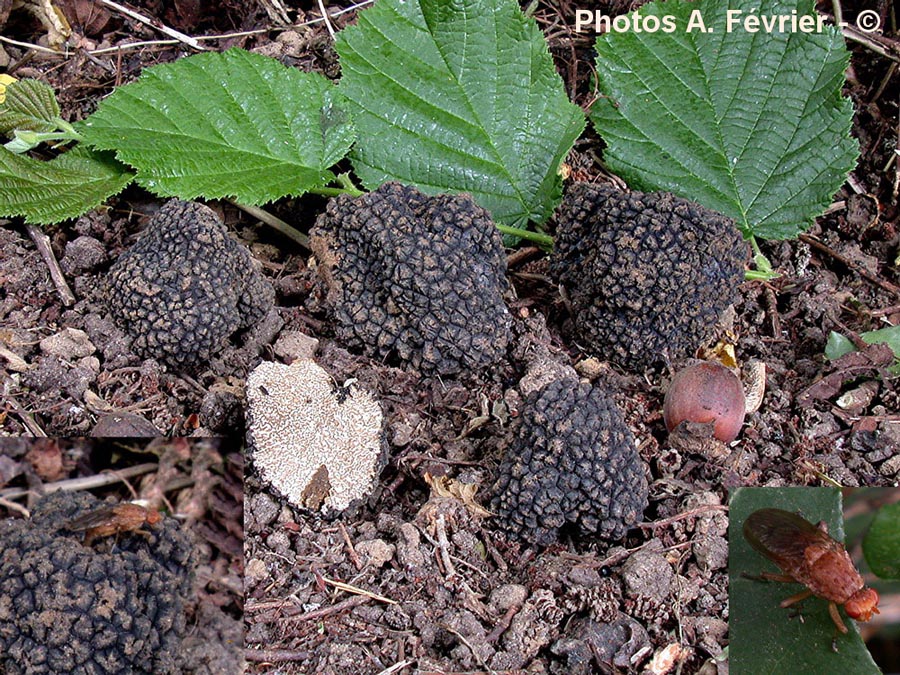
(648, 275)
(571, 465)
(70, 608)
(418, 276)
(186, 286)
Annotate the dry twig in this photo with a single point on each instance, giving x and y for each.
(162, 28)
(42, 242)
(86, 482)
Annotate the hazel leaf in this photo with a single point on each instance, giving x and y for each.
(234, 124)
(750, 124)
(459, 97)
(66, 187)
(29, 105)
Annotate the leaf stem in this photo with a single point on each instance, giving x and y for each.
(545, 241)
(24, 140)
(335, 192)
(763, 269)
(347, 182)
(275, 222)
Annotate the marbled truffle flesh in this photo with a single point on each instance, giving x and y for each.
(417, 276)
(186, 286)
(319, 444)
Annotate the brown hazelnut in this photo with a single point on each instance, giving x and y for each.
(706, 392)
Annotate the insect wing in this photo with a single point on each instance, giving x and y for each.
(87, 521)
(783, 538)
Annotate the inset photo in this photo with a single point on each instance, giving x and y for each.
(814, 578)
(120, 556)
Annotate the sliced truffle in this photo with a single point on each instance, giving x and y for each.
(186, 286)
(319, 444)
(419, 276)
(115, 606)
(648, 275)
(571, 465)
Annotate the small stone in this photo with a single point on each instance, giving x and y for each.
(376, 552)
(711, 553)
(293, 344)
(891, 467)
(263, 509)
(83, 254)
(124, 425)
(221, 411)
(508, 595)
(256, 570)
(90, 363)
(69, 344)
(648, 574)
(408, 552)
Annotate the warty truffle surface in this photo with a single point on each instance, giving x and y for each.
(648, 274)
(186, 286)
(419, 276)
(571, 465)
(85, 610)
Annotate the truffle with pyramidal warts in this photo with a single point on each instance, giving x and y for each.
(79, 605)
(571, 465)
(186, 286)
(417, 276)
(318, 443)
(648, 275)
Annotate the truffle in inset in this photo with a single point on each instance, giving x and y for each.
(319, 444)
(186, 286)
(419, 276)
(648, 275)
(571, 465)
(115, 606)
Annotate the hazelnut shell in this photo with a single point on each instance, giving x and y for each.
(703, 393)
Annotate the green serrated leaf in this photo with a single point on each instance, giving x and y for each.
(30, 105)
(459, 97)
(752, 125)
(881, 545)
(66, 187)
(756, 620)
(233, 124)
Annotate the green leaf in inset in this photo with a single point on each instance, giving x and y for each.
(233, 124)
(763, 638)
(889, 336)
(838, 344)
(881, 545)
(752, 125)
(459, 97)
(30, 105)
(66, 187)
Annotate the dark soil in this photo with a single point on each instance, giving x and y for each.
(436, 588)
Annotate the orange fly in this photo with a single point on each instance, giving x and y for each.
(110, 520)
(808, 555)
